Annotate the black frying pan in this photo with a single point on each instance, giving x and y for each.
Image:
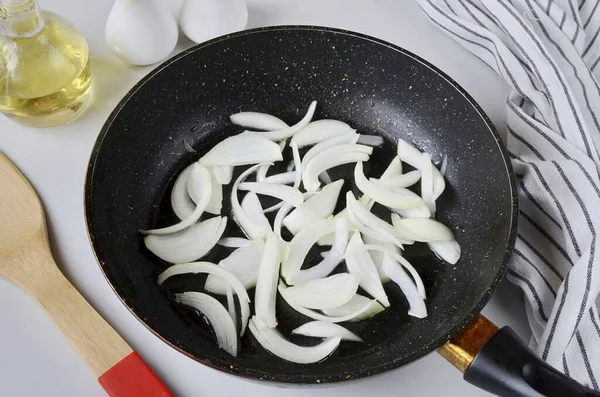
(376, 87)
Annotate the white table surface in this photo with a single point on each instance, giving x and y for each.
(34, 358)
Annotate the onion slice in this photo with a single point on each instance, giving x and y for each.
(399, 199)
(427, 182)
(211, 268)
(346, 139)
(200, 181)
(254, 212)
(242, 149)
(321, 317)
(234, 242)
(393, 169)
(325, 329)
(282, 192)
(399, 276)
(330, 260)
(243, 263)
(332, 157)
(413, 156)
(321, 130)
(302, 242)
(261, 121)
(189, 244)
(223, 174)
(324, 293)
(319, 206)
(446, 250)
(285, 178)
(216, 198)
(401, 180)
(217, 316)
(354, 305)
(266, 283)
(246, 223)
(182, 204)
(359, 262)
(288, 132)
(273, 341)
(421, 229)
(231, 306)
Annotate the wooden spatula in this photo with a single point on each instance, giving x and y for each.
(26, 260)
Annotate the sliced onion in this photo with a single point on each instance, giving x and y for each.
(285, 178)
(282, 192)
(279, 218)
(393, 169)
(359, 262)
(368, 223)
(216, 198)
(446, 250)
(401, 180)
(378, 256)
(234, 242)
(254, 212)
(325, 178)
(330, 260)
(273, 341)
(282, 144)
(288, 132)
(370, 140)
(302, 242)
(324, 293)
(413, 156)
(345, 139)
(211, 268)
(332, 157)
(261, 173)
(320, 130)
(223, 174)
(242, 149)
(246, 223)
(354, 305)
(217, 316)
(243, 263)
(406, 264)
(266, 284)
(399, 198)
(231, 307)
(399, 276)
(189, 244)
(182, 204)
(199, 176)
(261, 121)
(326, 329)
(297, 165)
(319, 206)
(421, 229)
(444, 166)
(321, 317)
(427, 182)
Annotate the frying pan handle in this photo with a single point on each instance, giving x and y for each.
(505, 366)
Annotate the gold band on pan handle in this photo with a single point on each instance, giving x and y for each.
(463, 347)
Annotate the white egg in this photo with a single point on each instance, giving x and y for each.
(201, 20)
(141, 32)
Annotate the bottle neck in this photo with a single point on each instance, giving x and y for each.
(20, 18)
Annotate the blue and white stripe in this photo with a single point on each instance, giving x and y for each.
(548, 51)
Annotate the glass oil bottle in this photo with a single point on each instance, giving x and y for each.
(45, 71)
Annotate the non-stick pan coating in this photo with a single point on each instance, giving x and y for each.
(374, 86)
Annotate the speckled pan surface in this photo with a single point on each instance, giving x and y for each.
(376, 87)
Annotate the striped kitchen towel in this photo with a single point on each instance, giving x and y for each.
(548, 51)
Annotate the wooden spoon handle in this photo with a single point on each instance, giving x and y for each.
(120, 371)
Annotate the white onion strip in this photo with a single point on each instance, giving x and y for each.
(413, 156)
(448, 251)
(242, 149)
(251, 229)
(231, 306)
(274, 342)
(325, 329)
(427, 182)
(332, 157)
(421, 229)
(211, 268)
(393, 169)
(266, 283)
(217, 316)
(223, 174)
(189, 244)
(261, 121)
(322, 317)
(243, 263)
(324, 293)
(199, 176)
(399, 276)
(354, 305)
(234, 242)
(401, 180)
(253, 210)
(345, 139)
(288, 132)
(285, 178)
(182, 204)
(282, 192)
(320, 130)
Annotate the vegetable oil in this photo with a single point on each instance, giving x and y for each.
(45, 71)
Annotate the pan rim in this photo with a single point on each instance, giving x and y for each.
(298, 378)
